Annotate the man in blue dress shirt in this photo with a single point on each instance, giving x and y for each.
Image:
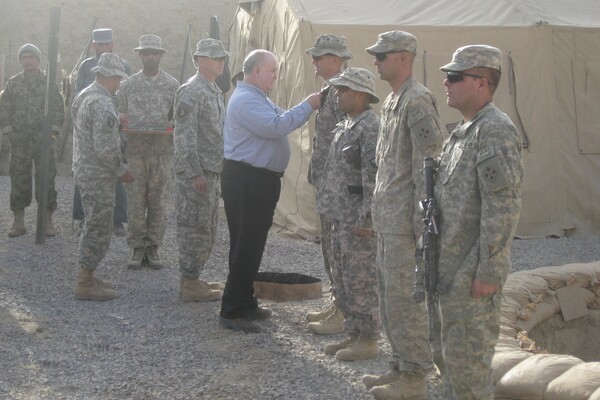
(256, 155)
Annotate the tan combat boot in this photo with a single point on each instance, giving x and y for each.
(137, 257)
(334, 323)
(410, 385)
(316, 316)
(361, 349)
(214, 285)
(379, 380)
(50, 229)
(333, 348)
(196, 290)
(88, 288)
(153, 258)
(18, 228)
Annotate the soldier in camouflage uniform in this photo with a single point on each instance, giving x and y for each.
(102, 42)
(199, 118)
(478, 187)
(329, 55)
(97, 164)
(410, 130)
(146, 100)
(22, 108)
(345, 195)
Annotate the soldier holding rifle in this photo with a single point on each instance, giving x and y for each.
(478, 188)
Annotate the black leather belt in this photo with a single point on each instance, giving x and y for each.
(257, 169)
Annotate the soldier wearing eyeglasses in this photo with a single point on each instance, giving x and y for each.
(410, 130)
(478, 187)
(146, 107)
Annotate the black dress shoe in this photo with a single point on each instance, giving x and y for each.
(240, 324)
(259, 314)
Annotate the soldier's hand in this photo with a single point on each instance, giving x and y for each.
(127, 177)
(314, 100)
(123, 120)
(199, 183)
(482, 289)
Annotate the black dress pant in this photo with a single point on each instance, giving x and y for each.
(250, 195)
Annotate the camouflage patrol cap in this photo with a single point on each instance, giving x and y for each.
(110, 64)
(150, 42)
(211, 48)
(358, 79)
(479, 55)
(102, 35)
(394, 41)
(330, 44)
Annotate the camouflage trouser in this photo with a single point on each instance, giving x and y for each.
(328, 261)
(470, 330)
(355, 280)
(25, 148)
(98, 198)
(405, 321)
(196, 222)
(147, 200)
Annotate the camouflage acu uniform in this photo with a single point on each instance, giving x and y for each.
(148, 103)
(97, 164)
(22, 108)
(410, 130)
(478, 186)
(327, 118)
(199, 118)
(344, 195)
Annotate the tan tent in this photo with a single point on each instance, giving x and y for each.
(550, 86)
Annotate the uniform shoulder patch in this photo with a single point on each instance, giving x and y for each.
(492, 173)
(185, 106)
(110, 120)
(425, 130)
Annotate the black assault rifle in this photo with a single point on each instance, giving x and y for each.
(426, 272)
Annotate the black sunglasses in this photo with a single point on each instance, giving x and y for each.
(382, 56)
(455, 76)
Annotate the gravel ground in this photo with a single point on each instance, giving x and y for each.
(147, 344)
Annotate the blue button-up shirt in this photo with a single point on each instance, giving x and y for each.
(256, 129)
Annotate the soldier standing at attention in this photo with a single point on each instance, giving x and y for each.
(478, 187)
(146, 100)
(199, 119)
(102, 42)
(345, 194)
(22, 109)
(410, 130)
(97, 163)
(329, 54)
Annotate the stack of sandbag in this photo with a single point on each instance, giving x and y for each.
(522, 370)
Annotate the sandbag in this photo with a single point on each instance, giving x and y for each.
(584, 275)
(504, 361)
(509, 308)
(553, 276)
(525, 288)
(596, 395)
(542, 312)
(529, 379)
(579, 382)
